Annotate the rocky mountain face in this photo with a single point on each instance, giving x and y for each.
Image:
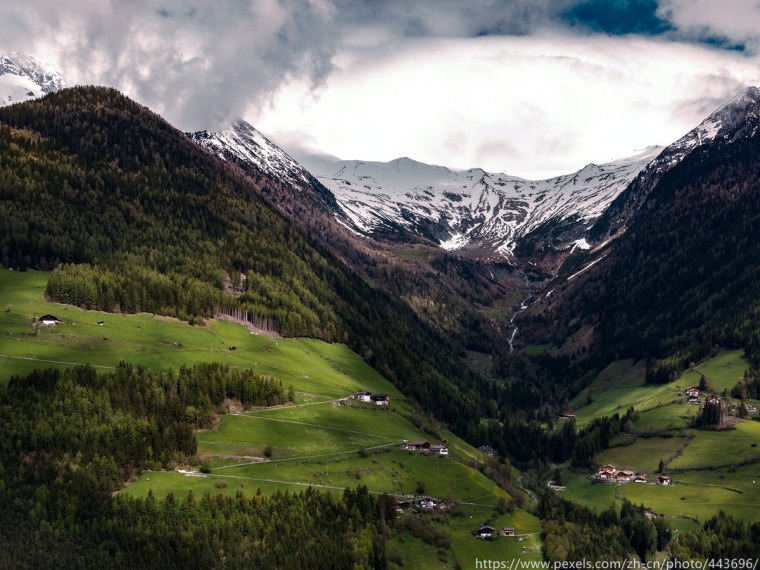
(472, 209)
(23, 78)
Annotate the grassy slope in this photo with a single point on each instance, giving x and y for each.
(316, 442)
(710, 481)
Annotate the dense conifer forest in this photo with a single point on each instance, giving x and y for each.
(683, 279)
(72, 438)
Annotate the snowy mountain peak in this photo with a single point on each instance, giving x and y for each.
(721, 124)
(23, 78)
(244, 143)
(470, 208)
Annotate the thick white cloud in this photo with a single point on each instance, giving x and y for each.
(198, 63)
(529, 105)
(381, 79)
(735, 20)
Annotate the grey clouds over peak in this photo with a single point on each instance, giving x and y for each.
(529, 86)
(201, 64)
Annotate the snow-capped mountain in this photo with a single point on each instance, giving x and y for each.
(244, 143)
(738, 117)
(23, 78)
(475, 209)
(471, 208)
(297, 190)
(457, 209)
(725, 123)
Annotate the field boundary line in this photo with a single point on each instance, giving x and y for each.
(308, 456)
(35, 359)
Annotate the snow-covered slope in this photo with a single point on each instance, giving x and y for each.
(472, 207)
(244, 143)
(724, 123)
(22, 78)
(737, 117)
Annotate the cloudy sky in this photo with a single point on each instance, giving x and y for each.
(528, 87)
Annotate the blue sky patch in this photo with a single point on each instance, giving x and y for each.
(618, 17)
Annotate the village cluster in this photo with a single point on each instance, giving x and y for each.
(693, 397)
(610, 474)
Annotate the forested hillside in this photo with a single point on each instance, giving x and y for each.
(683, 278)
(72, 438)
(135, 217)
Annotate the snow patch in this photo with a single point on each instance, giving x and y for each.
(574, 275)
(455, 242)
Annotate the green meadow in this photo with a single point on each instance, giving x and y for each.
(711, 470)
(644, 454)
(406, 551)
(318, 441)
(720, 448)
(162, 343)
(694, 496)
(467, 549)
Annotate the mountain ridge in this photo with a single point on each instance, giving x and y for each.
(471, 208)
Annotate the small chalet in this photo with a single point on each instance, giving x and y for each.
(417, 445)
(751, 409)
(363, 396)
(508, 531)
(624, 476)
(606, 473)
(402, 506)
(49, 320)
(664, 480)
(641, 479)
(692, 392)
(566, 415)
(380, 399)
(429, 503)
(487, 450)
(485, 532)
(439, 450)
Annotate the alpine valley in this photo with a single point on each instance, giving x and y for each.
(213, 355)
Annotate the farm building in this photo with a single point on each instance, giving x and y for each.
(417, 445)
(380, 399)
(664, 480)
(49, 320)
(485, 532)
(487, 450)
(363, 396)
(439, 450)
